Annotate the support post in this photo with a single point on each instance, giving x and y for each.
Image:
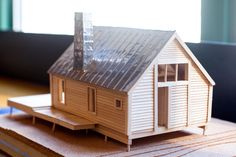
(129, 144)
(128, 147)
(86, 132)
(204, 130)
(105, 138)
(53, 127)
(33, 120)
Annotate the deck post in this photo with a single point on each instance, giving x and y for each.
(204, 130)
(33, 120)
(86, 133)
(128, 147)
(129, 144)
(53, 127)
(105, 138)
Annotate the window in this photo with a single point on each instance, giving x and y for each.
(172, 72)
(61, 91)
(161, 73)
(118, 104)
(182, 72)
(91, 99)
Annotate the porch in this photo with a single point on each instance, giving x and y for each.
(39, 106)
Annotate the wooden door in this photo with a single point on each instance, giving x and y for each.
(177, 106)
(163, 96)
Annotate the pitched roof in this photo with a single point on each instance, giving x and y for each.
(121, 55)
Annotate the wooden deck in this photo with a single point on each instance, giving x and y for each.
(39, 106)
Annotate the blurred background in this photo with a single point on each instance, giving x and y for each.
(34, 33)
(195, 20)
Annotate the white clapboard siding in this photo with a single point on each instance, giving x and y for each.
(106, 114)
(198, 97)
(142, 107)
(173, 53)
(198, 87)
(177, 113)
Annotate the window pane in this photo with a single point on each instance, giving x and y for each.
(171, 71)
(61, 91)
(182, 72)
(161, 73)
(118, 104)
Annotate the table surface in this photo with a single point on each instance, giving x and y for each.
(10, 87)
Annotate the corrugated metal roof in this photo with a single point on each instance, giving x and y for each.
(120, 57)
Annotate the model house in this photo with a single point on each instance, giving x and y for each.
(130, 83)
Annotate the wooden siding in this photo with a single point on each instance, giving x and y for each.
(173, 53)
(198, 90)
(142, 107)
(177, 109)
(198, 93)
(76, 102)
(210, 103)
(54, 90)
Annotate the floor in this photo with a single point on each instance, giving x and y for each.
(10, 87)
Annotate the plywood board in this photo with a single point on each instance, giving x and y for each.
(220, 140)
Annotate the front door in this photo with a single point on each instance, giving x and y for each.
(163, 96)
(177, 106)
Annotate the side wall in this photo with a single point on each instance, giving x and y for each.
(142, 117)
(193, 111)
(198, 97)
(76, 102)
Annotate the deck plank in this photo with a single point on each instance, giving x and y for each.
(40, 106)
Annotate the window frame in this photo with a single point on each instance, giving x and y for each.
(95, 99)
(121, 104)
(61, 91)
(176, 81)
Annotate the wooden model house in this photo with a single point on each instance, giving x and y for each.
(131, 83)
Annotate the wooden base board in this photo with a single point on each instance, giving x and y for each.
(220, 140)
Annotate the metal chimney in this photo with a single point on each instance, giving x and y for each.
(83, 41)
